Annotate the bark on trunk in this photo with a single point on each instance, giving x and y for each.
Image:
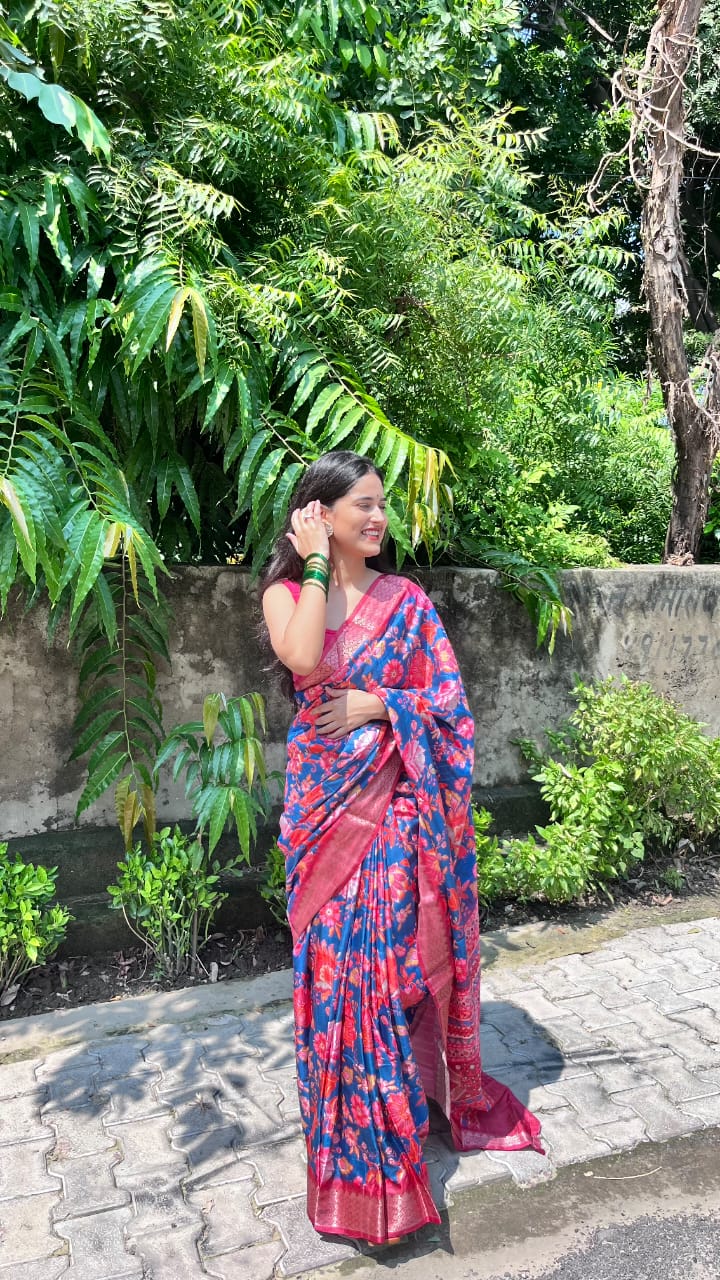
(695, 425)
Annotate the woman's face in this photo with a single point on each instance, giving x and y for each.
(358, 518)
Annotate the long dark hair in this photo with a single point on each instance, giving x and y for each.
(330, 478)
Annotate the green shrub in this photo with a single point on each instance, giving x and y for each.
(630, 771)
(30, 928)
(169, 896)
(272, 885)
(490, 861)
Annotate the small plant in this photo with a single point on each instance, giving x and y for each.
(272, 885)
(169, 895)
(674, 879)
(490, 861)
(633, 771)
(30, 928)
(169, 891)
(225, 780)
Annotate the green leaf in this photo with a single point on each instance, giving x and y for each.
(221, 385)
(310, 379)
(322, 404)
(219, 813)
(97, 729)
(265, 479)
(333, 13)
(241, 815)
(163, 485)
(351, 413)
(367, 437)
(23, 526)
(250, 461)
(93, 705)
(397, 460)
(298, 364)
(175, 314)
(187, 490)
(8, 561)
(201, 328)
(99, 782)
(211, 711)
(364, 56)
(284, 490)
(31, 232)
(91, 132)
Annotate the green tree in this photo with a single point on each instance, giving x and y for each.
(229, 243)
(160, 392)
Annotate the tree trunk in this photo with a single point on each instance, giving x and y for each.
(695, 425)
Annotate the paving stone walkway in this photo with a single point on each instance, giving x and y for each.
(164, 1141)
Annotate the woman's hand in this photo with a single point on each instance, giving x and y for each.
(309, 533)
(345, 710)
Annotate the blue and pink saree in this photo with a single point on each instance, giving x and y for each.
(382, 902)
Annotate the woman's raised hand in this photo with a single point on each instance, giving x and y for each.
(309, 533)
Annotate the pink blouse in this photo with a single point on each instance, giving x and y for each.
(295, 588)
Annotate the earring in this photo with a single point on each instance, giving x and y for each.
(328, 529)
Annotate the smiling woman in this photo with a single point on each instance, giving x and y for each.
(380, 863)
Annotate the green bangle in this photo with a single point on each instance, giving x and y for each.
(317, 577)
(315, 582)
(315, 559)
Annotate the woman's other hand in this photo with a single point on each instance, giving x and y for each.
(345, 710)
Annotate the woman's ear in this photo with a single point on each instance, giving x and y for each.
(327, 521)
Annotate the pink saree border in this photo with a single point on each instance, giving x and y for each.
(344, 844)
(340, 1208)
(368, 619)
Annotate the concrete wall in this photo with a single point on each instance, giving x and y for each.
(659, 624)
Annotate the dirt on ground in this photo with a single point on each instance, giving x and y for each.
(115, 975)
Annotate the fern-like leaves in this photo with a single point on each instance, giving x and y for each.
(119, 725)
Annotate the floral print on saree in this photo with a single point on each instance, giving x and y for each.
(382, 902)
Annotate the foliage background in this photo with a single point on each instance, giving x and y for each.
(234, 237)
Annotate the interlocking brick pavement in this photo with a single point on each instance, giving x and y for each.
(168, 1146)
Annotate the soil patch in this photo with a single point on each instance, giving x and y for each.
(114, 975)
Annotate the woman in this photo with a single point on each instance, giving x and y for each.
(380, 856)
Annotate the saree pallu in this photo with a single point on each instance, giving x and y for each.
(382, 903)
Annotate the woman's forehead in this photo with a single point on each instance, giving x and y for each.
(369, 486)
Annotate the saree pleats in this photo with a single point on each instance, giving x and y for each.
(363, 1104)
(382, 902)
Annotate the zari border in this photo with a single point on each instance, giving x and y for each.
(368, 620)
(339, 1208)
(342, 848)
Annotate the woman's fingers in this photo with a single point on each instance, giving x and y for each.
(332, 716)
(309, 529)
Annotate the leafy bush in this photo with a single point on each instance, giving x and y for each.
(272, 886)
(619, 470)
(630, 770)
(169, 896)
(30, 929)
(592, 477)
(169, 890)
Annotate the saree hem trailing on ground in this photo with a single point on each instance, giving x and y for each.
(382, 902)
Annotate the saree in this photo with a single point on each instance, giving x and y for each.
(382, 903)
